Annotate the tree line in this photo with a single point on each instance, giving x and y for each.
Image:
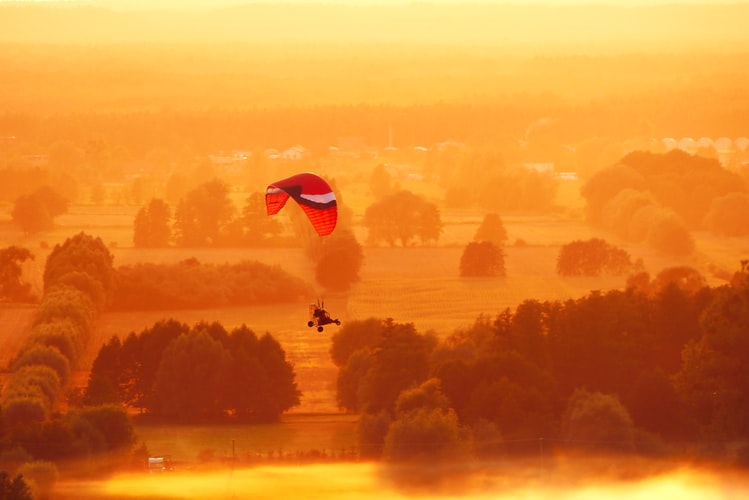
(658, 198)
(170, 371)
(645, 369)
(153, 286)
(77, 283)
(201, 373)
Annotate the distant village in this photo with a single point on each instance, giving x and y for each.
(732, 153)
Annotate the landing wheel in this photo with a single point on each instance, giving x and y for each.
(338, 322)
(310, 323)
(319, 328)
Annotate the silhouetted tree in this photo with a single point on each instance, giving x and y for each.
(597, 421)
(110, 426)
(402, 217)
(200, 216)
(491, 229)
(349, 380)
(380, 182)
(189, 374)
(620, 210)
(140, 359)
(670, 236)
(727, 215)
(713, 380)
(373, 427)
(591, 258)
(482, 258)
(151, 228)
(399, 361)
(340, 261)
(605, 184)
(196, 373)
(12, 287)
(144, 286)
(257, 227)
(425, 427)
(36, 212)
(14, 489)
(81, 253)
(105, 375)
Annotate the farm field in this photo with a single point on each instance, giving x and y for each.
(418, 285)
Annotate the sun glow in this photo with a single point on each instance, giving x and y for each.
(365, 481)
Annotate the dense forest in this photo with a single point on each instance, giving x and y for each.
(654, 369)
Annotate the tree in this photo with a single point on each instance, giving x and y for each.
(727, 215)
(491, 229)
(670, 236)
(380, 182)
(41, 476)
(14, 489)
(110, 423)
(424, 425)
(713, 379)
(11, 285)
(349, 380)
(151, 228)
(256, 225)
(353, 336)
(401, 217)
(340, 262)
(620, 210)
(399, 361)
(102, 386)
(36, 212)
(591, 258)
(605, 184)
(82, 253)
(482, 258)
(140, 358)
(597, 421)
(202, 215)
(50, 356)
(190, 372)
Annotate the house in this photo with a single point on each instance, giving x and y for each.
(295, 153)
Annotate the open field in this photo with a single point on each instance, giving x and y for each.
(417, 285)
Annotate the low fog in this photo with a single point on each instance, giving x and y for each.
(564, 480)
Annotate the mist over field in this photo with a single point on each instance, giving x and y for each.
(368, 480)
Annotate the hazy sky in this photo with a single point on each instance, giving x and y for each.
(207, 4)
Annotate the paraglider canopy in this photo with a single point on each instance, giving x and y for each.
(312, 193)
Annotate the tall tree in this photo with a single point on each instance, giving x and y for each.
(202, 215)
(340, 261)
(713, 377)
(399, 361)
(151, 227)
(82, 253)
(491, 229)
(402, 217)
(591, 258)
(36, 212)
(482, 258)
(12, 287)
(256, 224)
(189, 374)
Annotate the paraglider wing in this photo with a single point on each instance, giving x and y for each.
(312, 193)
